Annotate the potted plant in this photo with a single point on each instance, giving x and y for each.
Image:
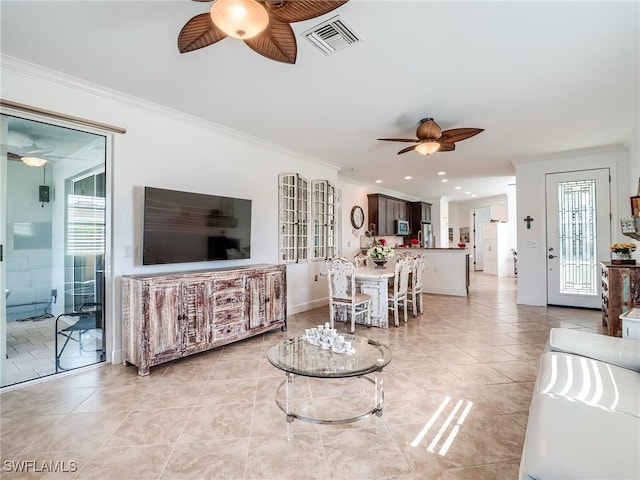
(380, 254)
(622, 253)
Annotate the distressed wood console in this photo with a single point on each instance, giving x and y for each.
(620, 292)
(171, 315)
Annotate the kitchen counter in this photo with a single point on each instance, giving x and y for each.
(446, 270)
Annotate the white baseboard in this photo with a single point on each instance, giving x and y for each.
(535, 301)
(116, 357)
(304, 307)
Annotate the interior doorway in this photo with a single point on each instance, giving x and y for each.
(578, 234)
(481, 216)
(53, 238)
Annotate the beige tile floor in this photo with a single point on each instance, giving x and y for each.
(213, 415)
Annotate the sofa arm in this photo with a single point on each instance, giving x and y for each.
(623, 352)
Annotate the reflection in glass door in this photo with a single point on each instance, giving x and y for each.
(54, 248)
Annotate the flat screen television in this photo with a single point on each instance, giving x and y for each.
(182, 227)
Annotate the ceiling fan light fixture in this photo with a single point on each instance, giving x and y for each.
(428, 147)
(241, 19)
(33, 161)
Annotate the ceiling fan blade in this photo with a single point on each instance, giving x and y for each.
(203, 1)
(199, 32)
(457, 134)
(13, 156)
(408, 149)
(447, 147)
(277, 42)
(399, 140)
(428, 129)
(299, 10)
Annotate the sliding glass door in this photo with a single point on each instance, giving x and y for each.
(53, 211)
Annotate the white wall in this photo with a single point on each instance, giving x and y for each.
(633, 145)
(530, 179)
(165, 148)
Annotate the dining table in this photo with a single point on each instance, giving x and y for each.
(374, 281)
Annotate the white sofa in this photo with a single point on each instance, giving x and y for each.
(584, 419)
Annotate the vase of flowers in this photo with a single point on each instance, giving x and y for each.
(621, 253)
(380, 254)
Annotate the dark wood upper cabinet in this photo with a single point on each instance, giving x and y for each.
(383, 211)
(420, 213)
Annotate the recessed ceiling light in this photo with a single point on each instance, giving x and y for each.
(408, 177)
(474, 195)
(458, 187)
(444, 180)
(378, 181)
(467, 193)
(442, 173)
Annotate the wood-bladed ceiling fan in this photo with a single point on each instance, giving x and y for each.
(272, 37)
(432, 139)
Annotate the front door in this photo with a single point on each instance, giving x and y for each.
(578, 235)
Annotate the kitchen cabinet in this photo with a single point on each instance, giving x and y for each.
(171, 315)
(620, 293)
(383, 211)
(419, 213)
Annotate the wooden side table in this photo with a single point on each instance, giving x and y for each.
(620, 293)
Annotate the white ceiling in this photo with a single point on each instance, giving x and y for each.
(540, 77)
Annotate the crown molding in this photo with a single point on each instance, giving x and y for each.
(56, 78)
(616, 147)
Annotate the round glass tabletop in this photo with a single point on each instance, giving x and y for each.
(297, 356)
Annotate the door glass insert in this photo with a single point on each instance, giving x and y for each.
(54, 247)
(577, 227)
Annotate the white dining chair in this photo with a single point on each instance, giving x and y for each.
(343, 295)
(398, 291)
(415, 296)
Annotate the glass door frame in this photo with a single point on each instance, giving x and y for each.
(108, 306)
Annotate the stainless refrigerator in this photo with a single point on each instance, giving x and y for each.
(425, 236)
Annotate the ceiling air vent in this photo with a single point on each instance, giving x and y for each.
(332, 35)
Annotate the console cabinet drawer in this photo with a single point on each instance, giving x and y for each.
(230, 331)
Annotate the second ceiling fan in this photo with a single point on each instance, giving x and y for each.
(431, 138)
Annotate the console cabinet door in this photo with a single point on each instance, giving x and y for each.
(275, 290)
(255, 299)
(162, 315)
(266, 298)
(194, 315)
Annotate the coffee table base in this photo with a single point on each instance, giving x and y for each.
(291, 415)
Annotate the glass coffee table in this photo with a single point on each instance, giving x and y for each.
(297, 357)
